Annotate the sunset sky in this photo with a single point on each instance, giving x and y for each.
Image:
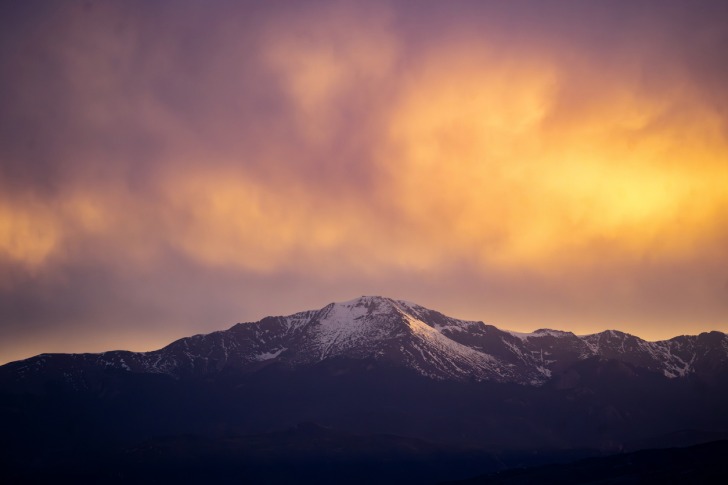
(174, 167)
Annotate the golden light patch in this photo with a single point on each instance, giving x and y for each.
(486, 162)
(107, 220)
(229, 219)
(28, 232)
(225, 218)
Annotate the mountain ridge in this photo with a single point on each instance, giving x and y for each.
(396, 332)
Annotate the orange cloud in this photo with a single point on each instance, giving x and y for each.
(482, 158)
(485, 161)
(28, 232)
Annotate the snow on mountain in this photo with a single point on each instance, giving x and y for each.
(396, 333)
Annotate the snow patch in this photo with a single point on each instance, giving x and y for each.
(269, 355)
(520, 335)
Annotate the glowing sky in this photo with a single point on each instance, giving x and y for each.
(175, 167)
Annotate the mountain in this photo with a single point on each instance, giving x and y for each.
(381, 390)
(394, 332)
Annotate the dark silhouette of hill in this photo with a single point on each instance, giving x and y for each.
(703, 464)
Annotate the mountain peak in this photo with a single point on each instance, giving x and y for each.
(551, 332)
(368, 303)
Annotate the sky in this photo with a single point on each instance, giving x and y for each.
(170, 168)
